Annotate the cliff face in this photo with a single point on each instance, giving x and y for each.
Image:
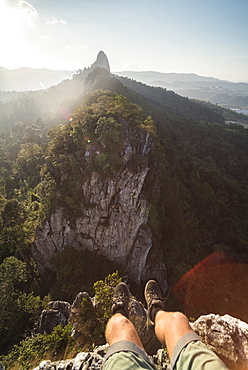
(112, 215)
(114, 224)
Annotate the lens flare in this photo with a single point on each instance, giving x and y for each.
(65, 112)
(215, 285)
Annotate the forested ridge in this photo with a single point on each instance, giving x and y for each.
(201, 208)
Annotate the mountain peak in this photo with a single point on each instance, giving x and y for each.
(101, 61)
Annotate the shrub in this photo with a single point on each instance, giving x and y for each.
(95, 319)
(104, 290)
(33, 350)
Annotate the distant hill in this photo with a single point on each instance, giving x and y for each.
(149, 76)
(225, 93)
(24, 79)
(65, 96)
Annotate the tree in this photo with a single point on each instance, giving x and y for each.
(12, 229)
(30, 160)
(13, 274)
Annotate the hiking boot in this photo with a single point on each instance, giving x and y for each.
(153, 297)
(121, 300)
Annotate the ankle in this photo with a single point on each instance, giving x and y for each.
(154, 310)
(121, 309)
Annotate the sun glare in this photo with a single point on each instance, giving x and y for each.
(14, 23)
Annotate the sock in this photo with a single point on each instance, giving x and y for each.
(120, 308)
(154, 310)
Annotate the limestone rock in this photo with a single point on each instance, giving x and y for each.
(94, 361)
(84, 322)
(57, 314)
(101, 62)
(63, 307)
(83, 360)
(138, 316)
(225, 335)
(161, 359)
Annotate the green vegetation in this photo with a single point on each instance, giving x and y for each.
(104, 290)
(97, 318)
(59, 344)
(30, 352)
(19, 308)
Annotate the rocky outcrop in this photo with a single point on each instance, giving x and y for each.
(85, 323)
(138, 316)
(227, 336)
(57, 314)
(101, 62)
(83, 360)
(94, 360)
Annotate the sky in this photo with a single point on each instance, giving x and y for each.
(206, 37)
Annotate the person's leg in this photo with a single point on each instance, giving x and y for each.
(125, 348)
(173, 330)
(119, 328)
(170, 327)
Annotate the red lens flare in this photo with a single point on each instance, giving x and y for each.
(215, 285)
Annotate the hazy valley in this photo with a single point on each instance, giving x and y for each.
(226, 94)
